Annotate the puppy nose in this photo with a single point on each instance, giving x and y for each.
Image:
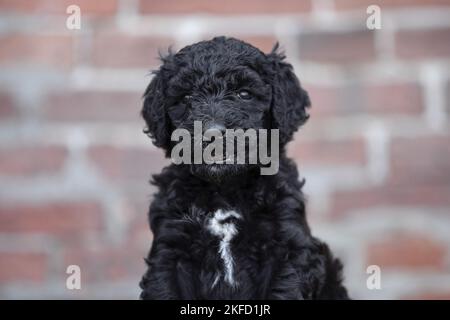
(214, 129)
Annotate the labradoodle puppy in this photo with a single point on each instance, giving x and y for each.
(224, 230)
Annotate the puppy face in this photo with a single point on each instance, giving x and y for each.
(225, 84)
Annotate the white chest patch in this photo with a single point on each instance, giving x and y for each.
(218, 226)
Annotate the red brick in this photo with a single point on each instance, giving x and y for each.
(407, 251)
(8, 108)
(36, 49)
(423, 44)
(448, 97)
(115, 50)
(127, 163)
(138, 202)
(22, 267)
(327, 101)
(428, 295)
(344, 202)
(30, 161)
(140, 232)
(263, 43)
(373, 99)
(107, 263)
(93, 106)
(103, 7)
(59, 218)
(392, 99)
(230, 7)
(337, 47)
(420, 161)
(328, 153)
(383, 4)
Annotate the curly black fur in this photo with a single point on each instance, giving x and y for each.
(275, 255)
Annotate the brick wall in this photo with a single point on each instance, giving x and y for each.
(74, 163)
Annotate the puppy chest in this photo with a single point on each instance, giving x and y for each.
(223, 226)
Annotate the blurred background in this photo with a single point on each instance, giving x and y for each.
(75, 165)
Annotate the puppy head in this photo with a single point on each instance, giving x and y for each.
(289, 101)
(224, 83)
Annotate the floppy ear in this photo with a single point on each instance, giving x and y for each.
(289, 100)
(154, 113)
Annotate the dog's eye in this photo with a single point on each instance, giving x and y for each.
(244, 94)
(187, 99)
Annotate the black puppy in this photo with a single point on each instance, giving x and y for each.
(225, 231)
